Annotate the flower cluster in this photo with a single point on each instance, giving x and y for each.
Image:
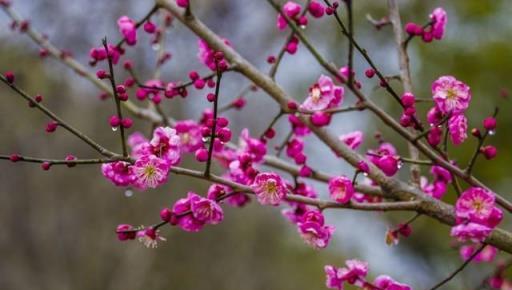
(435, 28)
(323, 95)
(313, 230)
(210, 57)
(193, 212)
(451, 98)
(354, 273)
(154, 159)
(476, 215)
(438, 187)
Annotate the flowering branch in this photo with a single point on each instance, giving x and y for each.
(139, 23)
(392, 187)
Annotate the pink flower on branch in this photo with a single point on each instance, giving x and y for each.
(128, 29)
(451, 96)
(341, 189)
(270, 189)
(150, 171)
(323, 95)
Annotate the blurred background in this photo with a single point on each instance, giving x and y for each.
(57, 226)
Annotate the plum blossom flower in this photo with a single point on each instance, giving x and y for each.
(476, 215)
(189, 132)
(341, 189)
(439, 21)
(150, 171)
(384, 282)
(354, 273)
(451, 95)
(313, 230)
(206, 210)
(290, 9)
(207, 55)
(471, 232)
(270, 189)
(149, 237)
(182, 209)
(475, 204)
(166, 144)
(458, 127)
(323, 95)
(254, 147)
(120, 173)
(353, 139)
(128, 29)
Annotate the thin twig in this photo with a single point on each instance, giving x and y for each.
(460, 268)
(63, 161)
(214, 126)
(103, 151)
(112, 79)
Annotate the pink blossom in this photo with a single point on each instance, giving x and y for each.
(254, 147)
(437, 189)
(458, 127)
(99, 54)
(189, 132)
(441, 174)
(316, 9)
(120, 173)
(166, 144)
(333, 280)
(475, 205)
(384, 282)
(270, 189)
(149, 237)
(354, 273)
(238, 200)
(150, 90)
(216, 191)
(290, 9)
(388, 164)
(471, 232)
(486, 255)
(341, 189)
(207, 55)
(353, 139)
(299, 128)
(150, 171)
(127, 29)
(323, 95)
(320, 119)
(206, 210)
(315, 234)
(125, 232)
(439, 20)
(182, 209)
(451, 95)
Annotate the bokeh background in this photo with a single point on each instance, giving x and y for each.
(57, 227)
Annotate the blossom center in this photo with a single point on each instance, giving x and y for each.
(316, 94)
(271, 187)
